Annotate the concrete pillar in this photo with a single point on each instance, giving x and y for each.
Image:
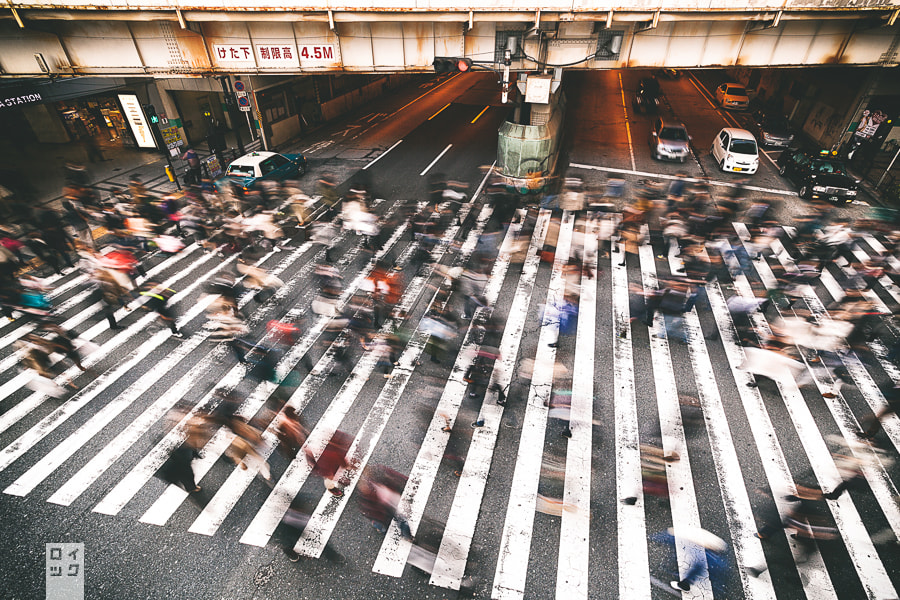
(164, 103)
(46, 123)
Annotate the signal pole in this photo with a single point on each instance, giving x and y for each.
(161, 142)
(229, 102)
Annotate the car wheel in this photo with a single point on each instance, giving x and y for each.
(301, 170)
(804, 192)
(782, 171)
(722, 165)
(682, 159)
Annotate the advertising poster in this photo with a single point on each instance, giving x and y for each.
(134, 114)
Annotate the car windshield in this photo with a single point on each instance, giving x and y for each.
(829, 167)
(676, 134)
(735, 91)
(743, 146)
(240, 170)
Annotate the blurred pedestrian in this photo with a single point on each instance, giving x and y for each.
(245, 448)
(706, 543)
(332, 461)
(291, 433)
(193, 161)
(158, 302)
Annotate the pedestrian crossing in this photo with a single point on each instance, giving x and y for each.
(103, 446)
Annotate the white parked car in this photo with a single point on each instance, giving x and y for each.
(733, 96)
(735, 150)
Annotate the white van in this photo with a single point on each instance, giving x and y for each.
(735, 150)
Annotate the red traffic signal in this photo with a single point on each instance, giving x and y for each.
(445, 64)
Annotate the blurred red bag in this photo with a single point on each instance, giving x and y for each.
(283, 333)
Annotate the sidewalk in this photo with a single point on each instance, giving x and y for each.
(888, 193)
(36, 172)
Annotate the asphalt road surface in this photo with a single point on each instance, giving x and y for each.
(513, 508)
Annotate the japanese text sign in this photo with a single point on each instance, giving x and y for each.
(233, 53)
(65, 571)
(281, 55)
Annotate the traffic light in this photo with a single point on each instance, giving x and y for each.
(150, 111)
(445, 64)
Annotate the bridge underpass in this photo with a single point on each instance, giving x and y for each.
(292, 61)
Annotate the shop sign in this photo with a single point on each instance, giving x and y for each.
(172, 137)
(233, 53)
(134, 114)
(281, 55)
(212, 166)
(8, 101)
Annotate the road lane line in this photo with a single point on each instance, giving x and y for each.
(285, 490)
(738, 511)
(440, 111)
(687, 179)
(573, 566)
(473, 478)
(634, 567)
(703, 93)
(324, 519)
(26, 483)
(20, 410)
(71, 323)
(479, 114)
(150, 463)
(210, 519)
(395, 549)
(863, 555)
(861, 377)
(728, 118)
(42, 428)
(879, 480)
(627, 123)
(518, 527)
(36, 474)
(813, 574)
(435, 160)
(422, 96)
(831, 285)
(76, 485)
(682, 495)
(382, 155)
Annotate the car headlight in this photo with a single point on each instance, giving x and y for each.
(767, 137)
(818, 188)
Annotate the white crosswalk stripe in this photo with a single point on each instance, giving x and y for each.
(116, 426)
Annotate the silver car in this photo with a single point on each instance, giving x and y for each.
(669, 141)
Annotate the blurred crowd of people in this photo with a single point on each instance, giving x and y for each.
(109, 238)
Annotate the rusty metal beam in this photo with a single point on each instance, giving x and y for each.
(254, 14)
